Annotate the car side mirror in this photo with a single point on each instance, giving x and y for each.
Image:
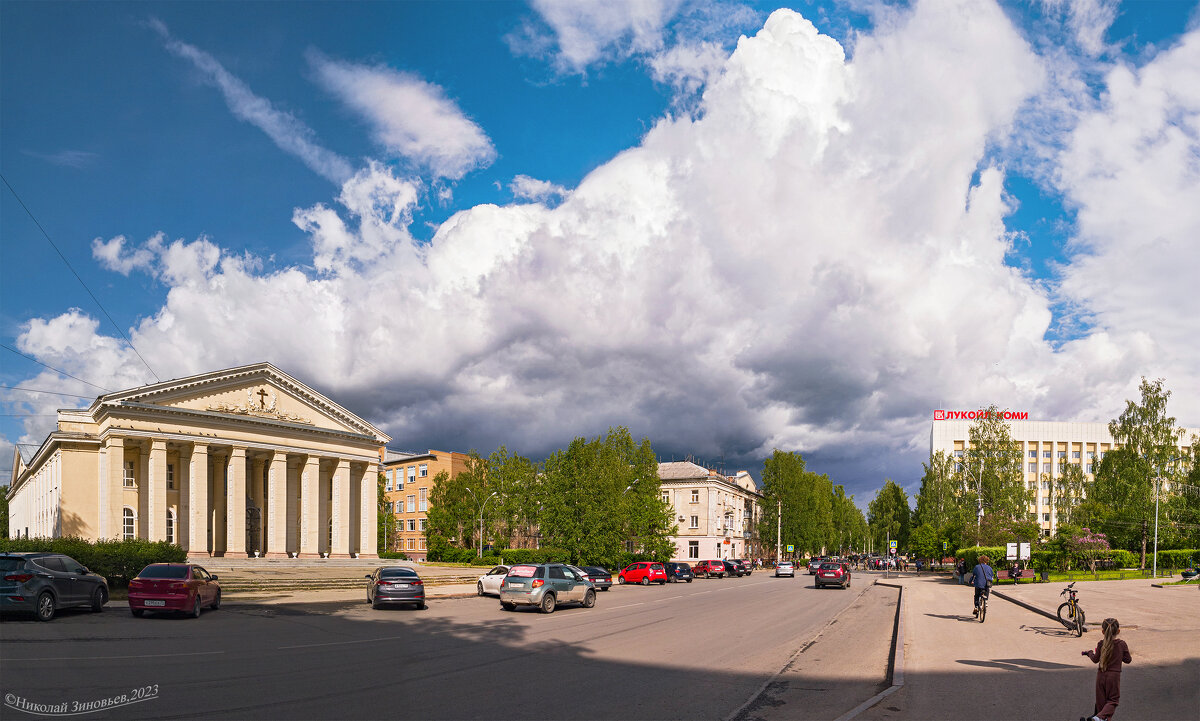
(213, 576)
(368, 576)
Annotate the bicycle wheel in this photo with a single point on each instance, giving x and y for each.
(982, 609)
(1066, 615)
(1079, 622)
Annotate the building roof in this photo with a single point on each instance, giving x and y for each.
(678, 470)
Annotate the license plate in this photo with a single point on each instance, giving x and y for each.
(156, 603)
(400, 585)
(514, 584)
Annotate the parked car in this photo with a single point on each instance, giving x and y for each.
(643, 572)
(42, 583)
(708, 569)
(678, 572)
(600, 578)
(398, 585)
(785, 568)
(489, 583)
(814, 565)
(747, 564)
(833, 574)
(545, 586)
(178, 587)
(733, 568)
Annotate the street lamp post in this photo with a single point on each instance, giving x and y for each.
(481, 507)
(1157, 483)
(978, 497)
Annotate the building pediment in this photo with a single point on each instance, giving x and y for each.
(257, 392)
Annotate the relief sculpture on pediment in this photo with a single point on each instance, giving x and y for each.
(260, 408)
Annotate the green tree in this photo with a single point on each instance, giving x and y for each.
(925, 541)
(515, 479)
(992, 471)
(600, 500)
(453, 509)
(848, 532)
(1067, 492)
(387, 521)
(939, 501)
(3, 511)
(889, 516)
(806, 499)
(1121, 499)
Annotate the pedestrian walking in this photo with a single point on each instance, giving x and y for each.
(1110, 653)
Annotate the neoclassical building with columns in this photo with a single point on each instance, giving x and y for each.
(241, 462)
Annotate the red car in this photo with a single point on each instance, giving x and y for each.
(833, 574)
(708, 569)
(181, 587)
(643, 572)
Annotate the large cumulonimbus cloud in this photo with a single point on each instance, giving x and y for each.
(813, 261)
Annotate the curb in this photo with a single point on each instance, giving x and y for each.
(1026, 606)
(895, 663)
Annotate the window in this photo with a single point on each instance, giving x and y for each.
(412, 524)
(1089, 468)
(1046, 517)
(1062, 454)
(958, 468)
(170, 524)
(387, 485)
(424, 501)
(1033, 454)
(1045, 454)
(1032, 485)
(421, 525)
(695, 522)
(1045, 468)
(412, 544)
(412, 474)
(399, 506)
(412, 504)
(424, 470)
(693, 549)
(1075, 455)
(129, 482)
(958, 453)
(1091, 455)
(127, 524)
(421, 543)
(666, 496)
(171, 476)
(1045, 485)
(1033, 467)
(695, 495)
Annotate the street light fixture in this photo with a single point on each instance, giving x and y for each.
(481, 507)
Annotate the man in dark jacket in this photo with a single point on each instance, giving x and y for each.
(982, 576)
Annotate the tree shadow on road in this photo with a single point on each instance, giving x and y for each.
(954, 617)
(1016, 664)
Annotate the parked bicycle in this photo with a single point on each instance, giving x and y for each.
(1069, 612)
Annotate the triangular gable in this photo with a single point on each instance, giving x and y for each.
(255, 391)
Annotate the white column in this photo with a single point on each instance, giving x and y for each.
(110, 506)
(143, 491)
(198, 502)
(277, 505)
(235, 503)
(340, 512)
(183, 481)
(310, 484)
(156, 491)
(368, 514)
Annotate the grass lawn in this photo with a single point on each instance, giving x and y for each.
(1113, 575)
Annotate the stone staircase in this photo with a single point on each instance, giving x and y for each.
(270, 575)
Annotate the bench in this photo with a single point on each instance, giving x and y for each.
(1028, 573)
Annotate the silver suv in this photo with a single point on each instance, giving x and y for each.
(545, 586)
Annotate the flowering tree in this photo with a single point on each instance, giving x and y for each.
(1088, 547)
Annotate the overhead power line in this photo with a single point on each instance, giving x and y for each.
(35, 360)
(72, 269)
(37, 390)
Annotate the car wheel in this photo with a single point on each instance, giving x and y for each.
(645, 580)
(196, 607)
(706, 575)
(217, 601)
(99, 598)
(479, 588)
(620, 580)
(45, 606)
(507, 606)
(375, 605)
(689, 580)
(137, 612)
(589, 599)
(549, 603)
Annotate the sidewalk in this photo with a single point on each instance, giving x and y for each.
(1020, 664)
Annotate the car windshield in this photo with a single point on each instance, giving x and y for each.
(593, 570)
(164, 571)
(522, 571)
(785, 563)
(394, 572)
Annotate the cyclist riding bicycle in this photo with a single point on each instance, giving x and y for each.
(981, 577)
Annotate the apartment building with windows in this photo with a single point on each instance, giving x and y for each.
(408, 484)
(1047, 447)
(717, 515)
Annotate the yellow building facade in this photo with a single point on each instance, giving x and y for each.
(246, 461)
(408, 484)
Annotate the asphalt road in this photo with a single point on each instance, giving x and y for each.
(681, 651)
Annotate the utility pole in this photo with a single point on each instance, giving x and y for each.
(778, 530)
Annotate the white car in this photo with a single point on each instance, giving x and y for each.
(489, 583)
(785, 568)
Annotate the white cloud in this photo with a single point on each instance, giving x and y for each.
(811, 262)
(524, 187)
(1089, 20)
(287, 132)
(66, 157)
(591, 32)
(688, 66)
(409, 117)
(112, 255)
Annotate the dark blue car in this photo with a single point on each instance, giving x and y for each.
(679, 572)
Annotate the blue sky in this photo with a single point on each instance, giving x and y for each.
(515, 223)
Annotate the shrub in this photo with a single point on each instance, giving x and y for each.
(118, 561)
(393, 555)
(971, 555)
(1175, 559)
(1124, 559)
(513, 556)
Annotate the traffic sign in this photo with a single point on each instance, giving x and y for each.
(892, 547)
(791, 549)
(944, 545)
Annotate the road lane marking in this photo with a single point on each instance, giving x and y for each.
(345, 643)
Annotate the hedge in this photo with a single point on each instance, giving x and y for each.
(118, 561)
(393, 555)
(535, 555)
(1173, 559)
(971, 555)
